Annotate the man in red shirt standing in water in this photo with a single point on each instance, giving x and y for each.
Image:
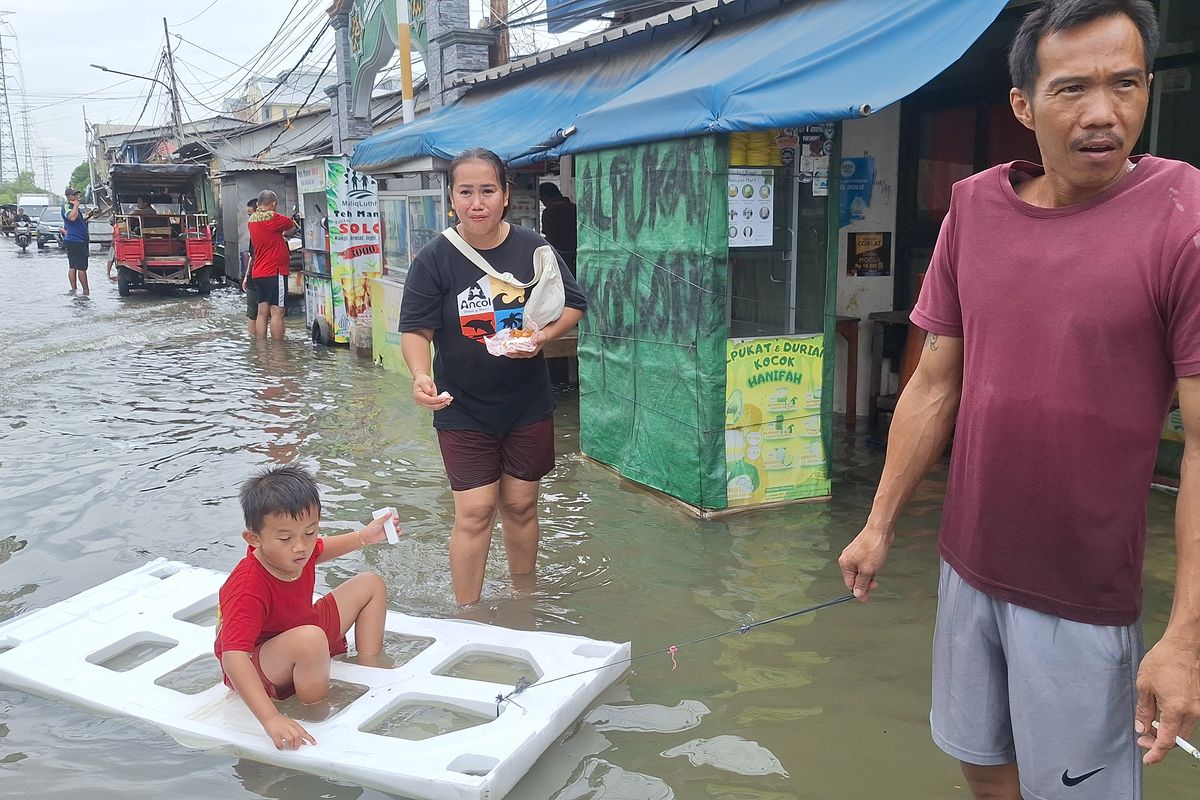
(1062, 305)
(269, 271)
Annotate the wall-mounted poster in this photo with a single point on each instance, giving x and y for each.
(854, 196)
(869, 255)
(751, 207)
(524, 209)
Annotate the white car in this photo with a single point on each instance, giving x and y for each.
(100, 231)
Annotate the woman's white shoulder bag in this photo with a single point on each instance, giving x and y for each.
(547, 297)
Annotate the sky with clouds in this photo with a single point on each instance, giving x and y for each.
(218, 44)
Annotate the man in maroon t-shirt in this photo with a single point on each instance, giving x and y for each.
(269, 270)
(1063, 307)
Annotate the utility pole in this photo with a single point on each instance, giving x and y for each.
(174, 86)
(8, 144)
(87, 146)
(500, 20)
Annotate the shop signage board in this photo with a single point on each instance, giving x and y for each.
(355, 251)
(868, 254)
(310, 176)
(751, 207)
(774, 450)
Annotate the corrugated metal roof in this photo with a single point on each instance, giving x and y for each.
(675, 16)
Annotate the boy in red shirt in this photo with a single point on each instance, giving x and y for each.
(272, 641)
(269, 270)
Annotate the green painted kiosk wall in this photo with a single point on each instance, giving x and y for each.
(653, 260)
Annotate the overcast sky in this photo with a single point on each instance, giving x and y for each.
(57, 40)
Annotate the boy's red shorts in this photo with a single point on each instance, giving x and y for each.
(330, 621)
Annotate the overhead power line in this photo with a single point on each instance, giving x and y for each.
(198, 16)
(303, 105)
(283, 79)
(279, 42)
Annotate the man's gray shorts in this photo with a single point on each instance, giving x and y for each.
(1056, 696)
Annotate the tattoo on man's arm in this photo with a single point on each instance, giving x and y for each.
(933, 341)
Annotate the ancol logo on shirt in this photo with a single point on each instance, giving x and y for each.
(489, 305)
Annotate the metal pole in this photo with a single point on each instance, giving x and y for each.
(174, 88)
(404, 46)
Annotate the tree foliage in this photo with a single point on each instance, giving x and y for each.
(26, 183)
(80, 177)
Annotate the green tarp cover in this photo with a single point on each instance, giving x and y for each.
(653, 256)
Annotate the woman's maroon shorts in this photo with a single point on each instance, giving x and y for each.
(475, 458)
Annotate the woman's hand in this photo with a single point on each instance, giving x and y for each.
(426, 394)
(538, 340)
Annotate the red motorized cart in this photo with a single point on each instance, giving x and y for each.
(166, 240)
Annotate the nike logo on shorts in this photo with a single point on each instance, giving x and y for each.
(1069, 781)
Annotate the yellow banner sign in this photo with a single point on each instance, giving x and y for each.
(773, 446)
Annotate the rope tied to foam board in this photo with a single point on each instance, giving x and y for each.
(522, 684)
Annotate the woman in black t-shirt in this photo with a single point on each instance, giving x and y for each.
(493, 414)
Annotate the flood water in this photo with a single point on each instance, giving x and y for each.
(127, 424)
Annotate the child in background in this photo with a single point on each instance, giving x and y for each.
(271, 640)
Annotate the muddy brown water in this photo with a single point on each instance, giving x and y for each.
(126, 425)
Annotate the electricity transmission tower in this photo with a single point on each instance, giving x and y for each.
(9, 168)
(27, 139)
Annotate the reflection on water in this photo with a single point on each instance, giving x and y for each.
(418, 720)
(402, 649)
(648, 718)
(264, 780)
(729, 753)
(341, 694)
(127, 424)
(193, 677)
(491, 668)
(134, 656)
(601, 779)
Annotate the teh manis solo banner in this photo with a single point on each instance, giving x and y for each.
(355, 251)
(773, 446)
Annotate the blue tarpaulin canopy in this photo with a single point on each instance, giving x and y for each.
(806, 64)
(523, 115)
(798, 63)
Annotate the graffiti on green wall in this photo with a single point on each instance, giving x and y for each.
(652, 260)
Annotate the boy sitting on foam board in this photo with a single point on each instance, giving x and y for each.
(272, 641)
